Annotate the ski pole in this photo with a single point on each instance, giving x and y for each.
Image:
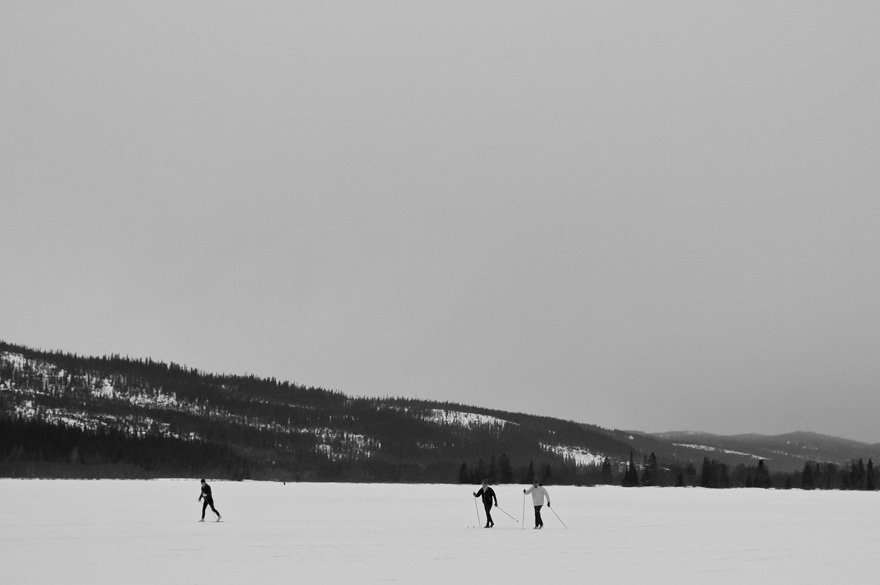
(557, 516)
(477, 512)
(524, 512)
(503, 511)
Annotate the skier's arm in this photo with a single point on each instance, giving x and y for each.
(479, 493)
(546, 493)
(494, 497)
(528, 491)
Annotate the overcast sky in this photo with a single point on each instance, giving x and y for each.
(652, 215)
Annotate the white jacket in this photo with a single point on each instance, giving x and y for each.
(538, 495)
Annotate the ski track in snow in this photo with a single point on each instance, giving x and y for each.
(146, 532)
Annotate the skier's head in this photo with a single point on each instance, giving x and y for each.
(203, 480)
(535, 484)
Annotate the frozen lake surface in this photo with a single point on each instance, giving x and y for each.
(133, 532)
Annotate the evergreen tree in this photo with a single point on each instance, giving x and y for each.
(530, 473)
(715, 474)
(631, 477)
(607, 476)
(505, 469)
(690, 474)
(546, 473)
(762, 475)
(807, 477)
(481, 471)
(706, 479)
(463, 475)
(651, 471)
(724, 476)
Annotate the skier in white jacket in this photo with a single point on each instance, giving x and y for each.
(538, 492)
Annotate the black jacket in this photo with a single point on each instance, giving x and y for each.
(488, 495)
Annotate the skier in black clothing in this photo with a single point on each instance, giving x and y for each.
(488, 495)
(207, 500)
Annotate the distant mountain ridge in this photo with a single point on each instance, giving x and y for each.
(68, 415)
(801, 436)
(783, 451)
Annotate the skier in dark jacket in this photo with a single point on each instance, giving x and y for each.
(488, 495)
(207, 500)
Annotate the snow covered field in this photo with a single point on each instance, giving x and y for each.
(132, 532)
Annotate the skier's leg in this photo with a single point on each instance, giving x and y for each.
(213, 509)
(204, 507)
(489, 521)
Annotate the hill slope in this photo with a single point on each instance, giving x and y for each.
(69, 415)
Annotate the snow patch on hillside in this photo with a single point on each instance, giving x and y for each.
(25, 410)
(339, 445)
(711, 448)
(137, 426)
(20, 363)
(578, 455)
(464, 419)
(17, 360)
(157, 399)
(104, 390)
(694, 446)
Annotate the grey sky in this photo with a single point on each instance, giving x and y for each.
(645, 215)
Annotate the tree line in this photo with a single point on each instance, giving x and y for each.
(856, 475)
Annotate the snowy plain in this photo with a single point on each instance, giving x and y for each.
(132, 532)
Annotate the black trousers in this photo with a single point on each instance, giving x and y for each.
(538, 521)
(209, 502)
(488, 507)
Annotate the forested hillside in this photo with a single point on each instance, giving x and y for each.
(64, 415)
